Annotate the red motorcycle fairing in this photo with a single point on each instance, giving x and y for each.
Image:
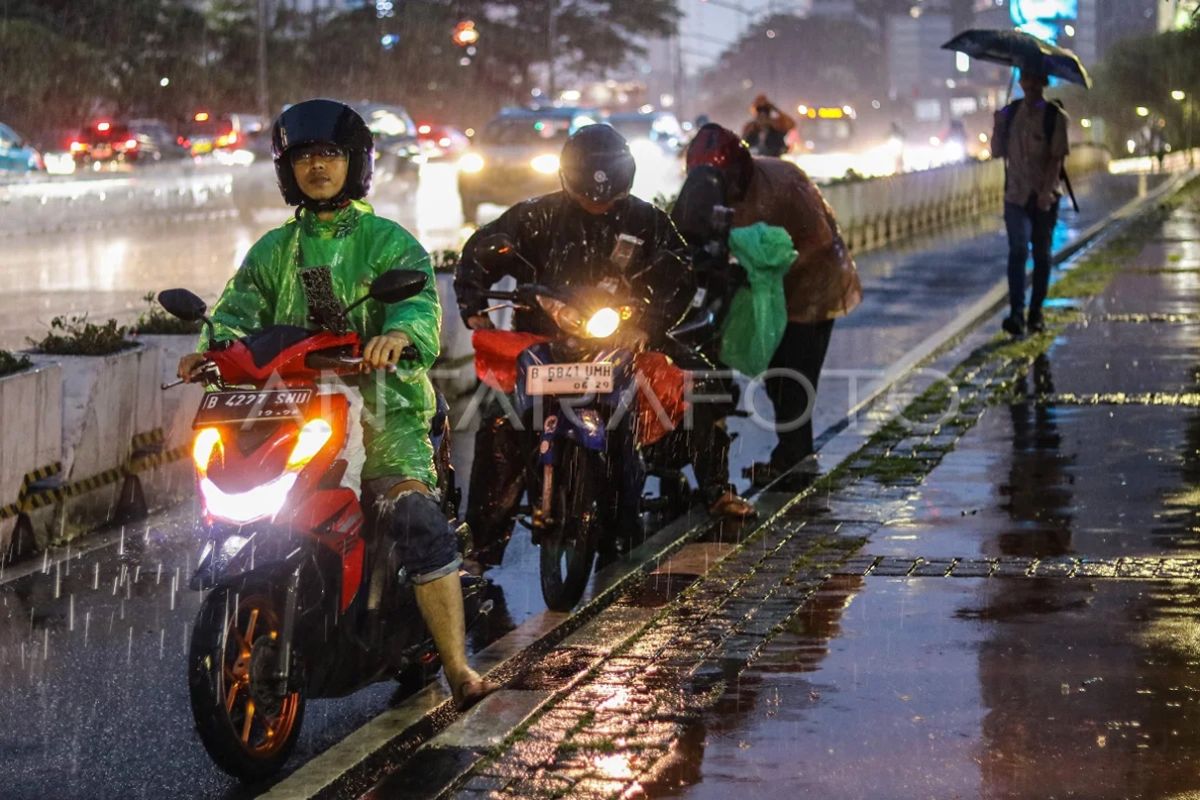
(330, 515)
(237, 363)
(334, 518)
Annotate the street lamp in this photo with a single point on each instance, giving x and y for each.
(1142, 111)
(1178, 94)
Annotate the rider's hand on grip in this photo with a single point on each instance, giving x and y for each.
(385, 351)
(480, 322)
(189, 365)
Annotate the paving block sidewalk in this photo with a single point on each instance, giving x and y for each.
(602, 713)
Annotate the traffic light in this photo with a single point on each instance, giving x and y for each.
(465, 34)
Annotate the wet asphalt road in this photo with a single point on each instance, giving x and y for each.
(91, 655)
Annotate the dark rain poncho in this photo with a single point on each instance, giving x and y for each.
(357, 246)
(567, 246)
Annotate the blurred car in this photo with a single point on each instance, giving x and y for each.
(208, 132)
(57, 150)
(156, 140)
(515, 156)
(105, 142)
(397, 146)
(442, 141)
(657, 129)
(16, 154)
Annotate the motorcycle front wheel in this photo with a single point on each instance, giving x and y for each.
(568, 543)
(247, 728)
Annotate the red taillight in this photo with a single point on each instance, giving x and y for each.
(130, 144)
(78, 147)
(103, 126)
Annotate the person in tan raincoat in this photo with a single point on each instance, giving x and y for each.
(821, 285)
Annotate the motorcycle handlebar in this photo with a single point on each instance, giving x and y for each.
(321, 360)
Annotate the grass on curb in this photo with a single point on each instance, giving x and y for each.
(75, 336)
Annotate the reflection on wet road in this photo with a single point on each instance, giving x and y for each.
(968, 688)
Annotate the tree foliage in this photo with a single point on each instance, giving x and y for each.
(1144, 71)
(792, 60)
(66, 60)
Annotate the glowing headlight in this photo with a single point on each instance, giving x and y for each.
(603, 323)
(312, 438)
(546, 164)
(245, 507)
(471, 163)
(207, 440)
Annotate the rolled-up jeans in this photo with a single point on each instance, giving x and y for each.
(426, 546)
(1028, 225)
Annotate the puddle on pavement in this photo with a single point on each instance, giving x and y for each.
(971, 688)
(1053, 480)
(1128, 357)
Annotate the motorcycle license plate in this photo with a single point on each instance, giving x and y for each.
(217, 408)
(585, 378)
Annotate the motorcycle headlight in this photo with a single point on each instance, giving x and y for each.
(208, 440)
(242, 508)
(312, 438)
(603, 323)
(547, 164)
(471, 163)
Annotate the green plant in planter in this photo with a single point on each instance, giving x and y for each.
(157, 321)
(10, 363)
(75, 336)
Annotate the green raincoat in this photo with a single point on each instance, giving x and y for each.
(357, 246)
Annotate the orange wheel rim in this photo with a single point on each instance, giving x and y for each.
(260, 734)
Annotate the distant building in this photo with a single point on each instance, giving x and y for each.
(920, 74)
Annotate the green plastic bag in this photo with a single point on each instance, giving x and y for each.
(758, 313)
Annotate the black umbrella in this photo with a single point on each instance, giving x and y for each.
(1015, 48)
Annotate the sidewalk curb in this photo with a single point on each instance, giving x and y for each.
(428, 712)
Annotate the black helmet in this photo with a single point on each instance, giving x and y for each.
(322, 122)
(596, 164)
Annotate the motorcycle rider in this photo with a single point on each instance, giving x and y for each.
(570, 237)
(820, 286)
(323, 162)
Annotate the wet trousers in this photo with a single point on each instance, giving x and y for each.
(800, 354)
(1028, 225)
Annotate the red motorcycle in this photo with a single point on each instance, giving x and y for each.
(304, 598)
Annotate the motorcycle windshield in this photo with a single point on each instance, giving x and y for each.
(267, 344)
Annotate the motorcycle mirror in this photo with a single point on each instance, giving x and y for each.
(183, 304)
(398, 284)
(496, 247)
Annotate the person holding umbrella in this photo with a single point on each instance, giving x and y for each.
(1030, 134)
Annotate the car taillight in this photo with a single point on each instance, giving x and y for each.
(78, 147)
(130, 144)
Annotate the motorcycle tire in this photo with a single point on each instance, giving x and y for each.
(568, 547)
(246, 742)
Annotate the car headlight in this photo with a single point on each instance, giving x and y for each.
(603, 323)
(471, 163)
(547, 164)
